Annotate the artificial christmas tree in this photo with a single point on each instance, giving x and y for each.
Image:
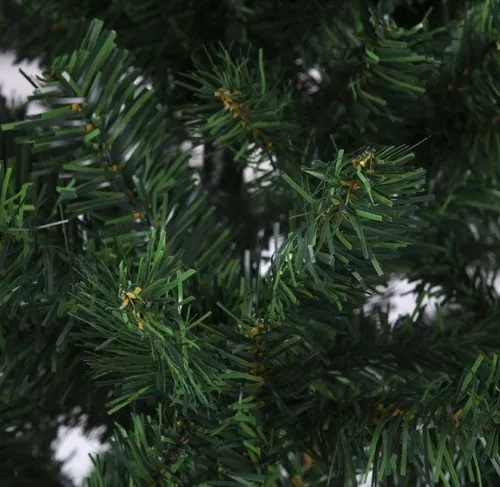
(132, 289)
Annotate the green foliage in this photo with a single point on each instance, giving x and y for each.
(351, 216)
(158, 461)
(250, 105)
(149, 304)
(128, 291)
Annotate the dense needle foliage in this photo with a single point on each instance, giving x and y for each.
(132, 292)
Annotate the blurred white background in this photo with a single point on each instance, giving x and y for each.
(71, 445)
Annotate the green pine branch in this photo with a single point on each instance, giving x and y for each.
(248, 380)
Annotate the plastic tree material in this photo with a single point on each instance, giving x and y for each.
(131, 291)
